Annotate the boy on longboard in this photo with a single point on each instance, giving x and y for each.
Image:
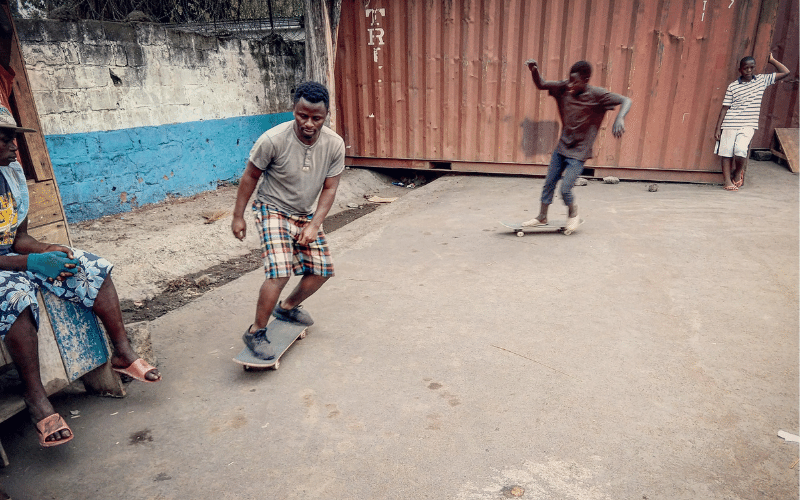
(295, 162)
(582, 108)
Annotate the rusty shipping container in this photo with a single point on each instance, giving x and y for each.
(442, 83)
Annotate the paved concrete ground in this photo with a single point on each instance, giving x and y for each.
(652, 355)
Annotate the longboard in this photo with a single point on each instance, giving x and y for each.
(281, 335)
(560, 227)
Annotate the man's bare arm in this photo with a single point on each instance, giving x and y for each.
(324, 205)
(246, 187)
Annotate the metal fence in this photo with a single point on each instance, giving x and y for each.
(161, 11)
(290, 29)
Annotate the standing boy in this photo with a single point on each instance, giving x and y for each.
(295, 161)
(582, 108)
(738, 119)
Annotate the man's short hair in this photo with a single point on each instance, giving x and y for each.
(583, 68)
(312, 92)
(747, 59)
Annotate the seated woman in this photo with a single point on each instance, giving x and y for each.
(26, 265)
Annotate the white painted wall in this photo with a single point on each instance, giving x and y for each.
(164, 76)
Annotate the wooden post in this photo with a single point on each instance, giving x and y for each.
(322, 25)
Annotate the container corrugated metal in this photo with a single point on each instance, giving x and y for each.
(426, 81)
(780, 106)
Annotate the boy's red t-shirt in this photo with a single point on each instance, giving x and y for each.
(581, 117)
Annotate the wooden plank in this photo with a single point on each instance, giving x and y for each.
(25, 112)
(777, 153)
(10, 405)
(104, 381)
(5, 357)
(788, 143)
(45, 205)
(51, 233)
(51, 366)
(82, 344)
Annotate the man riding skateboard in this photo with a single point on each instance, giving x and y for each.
(295, 162)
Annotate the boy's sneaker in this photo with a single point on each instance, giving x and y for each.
(295, 315)
(259, 343)
(572, 223)
(533, 223)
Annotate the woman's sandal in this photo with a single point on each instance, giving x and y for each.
(138, 370)
(49, 426)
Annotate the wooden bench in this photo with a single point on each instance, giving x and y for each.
(72, 346)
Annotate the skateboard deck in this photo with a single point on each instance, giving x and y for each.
(281, 335)
(560, 227)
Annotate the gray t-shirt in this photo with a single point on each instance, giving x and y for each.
(294, 172)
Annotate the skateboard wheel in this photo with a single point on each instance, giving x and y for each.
(246, 368)
(303, 334)
(276, 365)
(520, 233)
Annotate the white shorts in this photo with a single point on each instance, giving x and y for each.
(734, 141)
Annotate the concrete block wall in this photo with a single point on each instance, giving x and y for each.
(134, 113)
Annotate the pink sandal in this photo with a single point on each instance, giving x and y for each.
(137, 370)
(49, 426)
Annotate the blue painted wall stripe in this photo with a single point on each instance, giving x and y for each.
(109, 172)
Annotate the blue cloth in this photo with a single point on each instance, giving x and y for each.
(18, 288)
(570, 168)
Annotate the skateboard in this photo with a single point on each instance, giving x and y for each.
(560, 227)
(281, 335)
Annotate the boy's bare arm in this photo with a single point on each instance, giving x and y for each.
(718, 129)
(783, 71)
(541, 84)
(619, 124)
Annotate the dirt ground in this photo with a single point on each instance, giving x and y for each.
(169, 253)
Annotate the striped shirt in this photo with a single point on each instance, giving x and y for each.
(744, 100)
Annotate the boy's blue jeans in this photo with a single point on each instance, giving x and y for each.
(560, 164)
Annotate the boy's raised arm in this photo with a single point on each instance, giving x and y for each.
(533, 66)
(783, 71)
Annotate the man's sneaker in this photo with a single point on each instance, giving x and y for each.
(259, 344)
(296, 315)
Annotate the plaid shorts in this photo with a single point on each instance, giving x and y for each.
(18, 289)
(279, 249)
